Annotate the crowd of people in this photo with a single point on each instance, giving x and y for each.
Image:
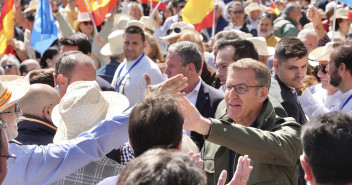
(262, 97)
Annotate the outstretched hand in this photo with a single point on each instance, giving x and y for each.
(171, 86)
(241, 175)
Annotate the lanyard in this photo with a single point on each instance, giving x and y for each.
(349, 98)
(118, 85)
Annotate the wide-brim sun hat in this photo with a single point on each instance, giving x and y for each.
(261, 46)
(114, 45)
(83, 106)
(82, 17)
(320, 54)
(148, 23)
(120, 21)
(252, 7)
(135, 23)
(182, 26)
(32, 6)
(12, 90)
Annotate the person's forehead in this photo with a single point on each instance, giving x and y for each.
(132, 37)
(225, 52)
(237, 7)
(173, 57)
(242, 76)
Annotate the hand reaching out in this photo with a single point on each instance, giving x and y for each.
(171, 86)
(241, 175)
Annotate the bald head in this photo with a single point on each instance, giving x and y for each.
(39, 101)
(28, 65)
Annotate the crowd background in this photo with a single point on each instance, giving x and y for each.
(260, 69)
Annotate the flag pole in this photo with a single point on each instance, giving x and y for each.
(155, 9)
(91, 16)
(41, 45)
(334, 22)
(213, 28)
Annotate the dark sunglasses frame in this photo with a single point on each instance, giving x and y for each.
(176, 30)
(7, 66)
(87, 22)
(322, 68)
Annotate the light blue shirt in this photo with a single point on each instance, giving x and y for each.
(47, 164)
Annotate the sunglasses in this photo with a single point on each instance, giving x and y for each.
(7, 66)
(237, 12)
(17, 111)
(88, 23)
(322, 68)
(176, 30)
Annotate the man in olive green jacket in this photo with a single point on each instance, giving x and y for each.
(272, 143)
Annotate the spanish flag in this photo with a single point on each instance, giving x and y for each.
(98, 8)
(273, 6)
(161, 7)
(200, 13)
(7, 24)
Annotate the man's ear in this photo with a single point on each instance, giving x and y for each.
(307, 168)
(275, 64)
(47, 112)
(55, 79)
(263, 94)
(342, 69)
(62, 80)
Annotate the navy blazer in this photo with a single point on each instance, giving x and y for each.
(287, 99)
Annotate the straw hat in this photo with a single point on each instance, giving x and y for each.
(342, 13)
(183, 26)
(148, 22)
(243, 35)
(82, 17)
(120, 21)
(261, 46)
(337, 35)
(83, 106)
(320, 54)
(135, 23)
(115, 44)
(12, 89)
(32, 6)
(252, 7)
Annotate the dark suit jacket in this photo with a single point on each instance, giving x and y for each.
(287, 99)
(207, 102)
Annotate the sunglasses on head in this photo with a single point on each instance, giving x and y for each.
(322, 68)
(87, 23)
(176, 30)
(7, 66)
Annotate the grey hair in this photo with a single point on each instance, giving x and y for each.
(291, 7)
(262, 73)
(1, 71)
(221, 5)
(68, 63)
(12, 59)
(189, 53)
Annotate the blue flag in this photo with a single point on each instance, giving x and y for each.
(44, 31)
(347, 2)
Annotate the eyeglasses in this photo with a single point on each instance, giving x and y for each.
(176, 30)
(10, 159)
(7, 66)
(240, 88)
(322, 68)
(17, 110)
(87, 23)
(237, 12)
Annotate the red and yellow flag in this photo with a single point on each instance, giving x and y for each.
(7, 24)
(162, 6)
(200, 13)
(273, 6)
(98, 8)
